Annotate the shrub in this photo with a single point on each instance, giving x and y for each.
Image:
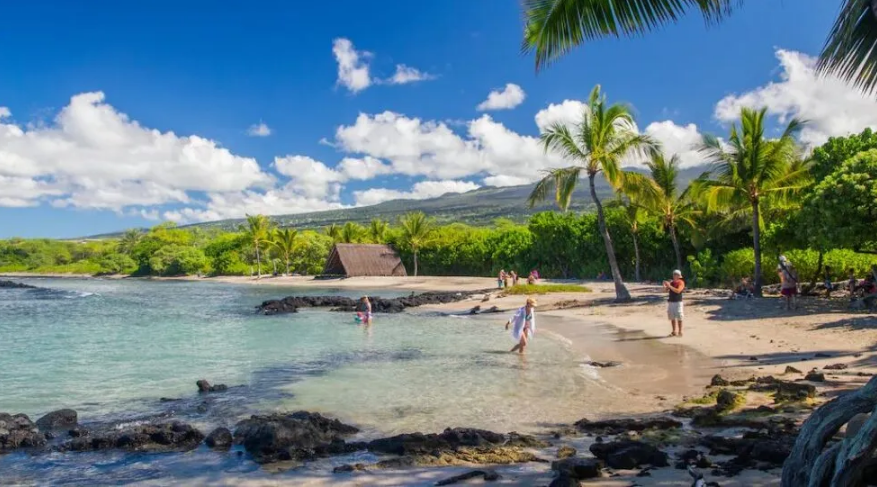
(546, 289)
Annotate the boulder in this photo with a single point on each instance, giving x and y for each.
(62, 418)
(579, 468)
(835, 367)
(619, 426)
(719, 381)
(794, 391)
(565, 481)
(297, 436)
(792, 370)
(814, 376)
(626, 455)
(205, 387)
(524, 441)
(727, 400)
(15, 285)
(219, 439)
(693, 458)
(18, 431)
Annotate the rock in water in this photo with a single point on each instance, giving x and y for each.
(219, 439)
(566, 452)
(487, 475)
(291, 304)
(627, 454)
(579, 468)
(297, 436)
(204, 387)
(18, 431)
(450, 439)
(15, 285)
(158, 438)
(619, 426)
(62, 418)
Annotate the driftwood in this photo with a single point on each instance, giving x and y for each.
(841, 464)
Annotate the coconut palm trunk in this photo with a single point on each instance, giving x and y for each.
(756, 245)
(636, 273)
(258, 261)
(415, 262)
(675, 239)
(621, 292)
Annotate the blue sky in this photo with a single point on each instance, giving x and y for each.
(193, 77)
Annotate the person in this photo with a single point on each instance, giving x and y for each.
(507, 281)
(501, 279)
(366, 309)
(745, 289)
(869, 292)
(531, 279)
(828, 281)
(789, 282)
(523, 325)
(514, 278)
(675, 310)
(852, 284)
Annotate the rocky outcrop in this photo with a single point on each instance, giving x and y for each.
(486, 475)
(15, 285)
(62, 418)
(18, 431)
(619, 426)
(291, 304)
(297, 436)
(578, 468)
(754, 450)
(449, 439)
(627, 454)
(150, 438)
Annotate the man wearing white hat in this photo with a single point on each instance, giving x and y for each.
(674, 302)
(789, 280)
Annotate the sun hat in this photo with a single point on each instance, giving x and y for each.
(677, 272)
(531, 301)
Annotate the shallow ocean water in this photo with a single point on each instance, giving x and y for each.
(112, 348)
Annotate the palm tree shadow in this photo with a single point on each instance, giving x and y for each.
(768, 307)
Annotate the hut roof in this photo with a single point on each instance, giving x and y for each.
(364, 260)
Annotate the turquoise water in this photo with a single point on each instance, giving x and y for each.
(112, 348)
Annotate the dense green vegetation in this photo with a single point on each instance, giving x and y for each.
(546, 289)
(815, 222)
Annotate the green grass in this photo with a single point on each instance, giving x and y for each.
(546, 288)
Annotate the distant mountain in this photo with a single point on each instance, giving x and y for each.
(478, 207)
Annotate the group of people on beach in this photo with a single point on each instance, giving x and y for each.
(509, 279)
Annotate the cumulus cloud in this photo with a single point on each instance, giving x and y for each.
(831, 106)
(4, 112)
(93, 156)
(507, 98)
(363, 168)
(284, 200)
(260, 129)
(353, 68)
(681, 140)
(406, 74)
(420, 191)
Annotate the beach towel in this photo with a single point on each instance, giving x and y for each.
(518, 322)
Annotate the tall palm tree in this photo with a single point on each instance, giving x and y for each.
(351, 233)
(605, 135)
(258, 230)
(633, 216)
(750, 171)
(416, 230)
(665, 201)
(377, 230)
(554, 27)
(333, 231)
(284, 240)
(129, 240)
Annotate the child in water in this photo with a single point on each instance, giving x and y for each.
(524, 325)
(364, 315)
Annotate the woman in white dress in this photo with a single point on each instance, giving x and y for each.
(523, 325)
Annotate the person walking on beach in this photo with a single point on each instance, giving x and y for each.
(501, 279)
(675, 313)
(365, 306)
(789, 282)
(523, 325)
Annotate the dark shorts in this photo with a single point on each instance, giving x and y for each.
(789, 291)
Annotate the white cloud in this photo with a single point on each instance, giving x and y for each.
(96, 157)
(681, 140)
(313, 179)
(259, 130)
(365, 168)
(285, 200)
(420, 191)
(406, 74)
(510, 97)
(4, 113)
(568, 112)
(831, 106)
(353, 68)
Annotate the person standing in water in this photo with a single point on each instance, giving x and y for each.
(674, 302)
(366, 308)
(523, 325)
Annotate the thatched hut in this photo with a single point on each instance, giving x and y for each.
(351, 260)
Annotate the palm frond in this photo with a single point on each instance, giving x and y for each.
(554, 27)
(850, 52)
(558, 138)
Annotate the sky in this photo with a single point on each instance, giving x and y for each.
(125, 114)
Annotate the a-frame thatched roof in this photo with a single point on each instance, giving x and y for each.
(363, 260)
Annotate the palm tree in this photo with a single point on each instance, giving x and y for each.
(665, 201)
(377, 230)
(416, 229)
(333, 231)
(351, 233)
(554, 27)
(284, 240)
(752, 170)
(633, 216)
(258, 229)
(129, 240)
(605, 135)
